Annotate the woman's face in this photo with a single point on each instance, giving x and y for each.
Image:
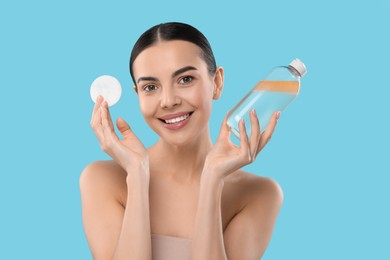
(175, 90)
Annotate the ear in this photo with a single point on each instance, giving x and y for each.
(218, 83)
(135, 89)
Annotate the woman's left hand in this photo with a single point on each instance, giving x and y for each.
(225, 157)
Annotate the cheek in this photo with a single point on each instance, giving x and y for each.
(146, 107)
(201, 97)
(206, 96)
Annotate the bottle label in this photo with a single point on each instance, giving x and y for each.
(288, 87)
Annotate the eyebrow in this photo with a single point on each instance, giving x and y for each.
(174, 74)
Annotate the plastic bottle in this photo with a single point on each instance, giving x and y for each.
(273, 93)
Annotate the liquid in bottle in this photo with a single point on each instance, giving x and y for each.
(274, 93)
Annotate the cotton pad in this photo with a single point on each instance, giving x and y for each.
(108, 87)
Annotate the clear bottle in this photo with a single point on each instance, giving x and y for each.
(273, 93)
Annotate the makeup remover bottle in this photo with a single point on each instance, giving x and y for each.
(273, 93)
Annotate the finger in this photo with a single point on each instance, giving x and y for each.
(244, 143)
(96, 120)
(255, 133)
(95, 111)
(268, 132)
(108, 130)
(109, 115)
(225, 129)
(124, 128)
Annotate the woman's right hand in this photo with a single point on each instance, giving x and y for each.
(129, 153)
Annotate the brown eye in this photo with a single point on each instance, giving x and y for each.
(186, 80)
(149, 88)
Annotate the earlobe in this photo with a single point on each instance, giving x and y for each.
(218, 83)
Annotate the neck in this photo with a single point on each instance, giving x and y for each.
(181, 163)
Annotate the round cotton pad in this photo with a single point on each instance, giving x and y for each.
(108, 87)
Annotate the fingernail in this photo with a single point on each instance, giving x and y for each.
(254, 111)
(278, 115)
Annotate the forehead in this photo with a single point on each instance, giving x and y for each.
(168, 56)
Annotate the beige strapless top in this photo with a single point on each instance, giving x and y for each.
(170, 248)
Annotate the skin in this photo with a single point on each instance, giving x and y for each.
(182, 186)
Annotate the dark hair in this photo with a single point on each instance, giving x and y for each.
(173, 31)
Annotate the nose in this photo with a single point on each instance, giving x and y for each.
(169, 98)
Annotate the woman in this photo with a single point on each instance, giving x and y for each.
(182, 198)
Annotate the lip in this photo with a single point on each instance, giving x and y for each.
(178, 125)
(171, 116)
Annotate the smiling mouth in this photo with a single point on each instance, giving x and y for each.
(177, 119)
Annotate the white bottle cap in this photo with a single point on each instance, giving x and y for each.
(108, 87)
(299, 66)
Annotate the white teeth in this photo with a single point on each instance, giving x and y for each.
(177, 119)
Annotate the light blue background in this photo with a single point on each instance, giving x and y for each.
(329, 153)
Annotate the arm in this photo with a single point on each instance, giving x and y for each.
(207, 240)
(223, 159)
(247, 234)
(117, 230)
(134, 239)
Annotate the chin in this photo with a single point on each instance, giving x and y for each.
(179, 139)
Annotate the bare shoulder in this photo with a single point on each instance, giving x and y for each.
(106, 176)
(251, 187)
(103, 190)
(260, 200)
